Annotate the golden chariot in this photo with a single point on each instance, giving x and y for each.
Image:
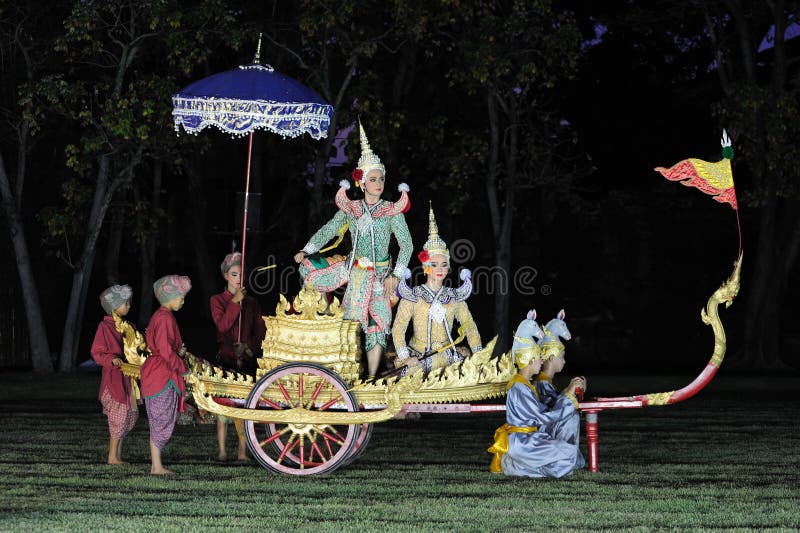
(307, 412)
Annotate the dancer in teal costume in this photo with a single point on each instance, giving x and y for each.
(367, 270)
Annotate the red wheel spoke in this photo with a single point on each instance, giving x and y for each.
(333, 430)
(291, 445)
(268, 402)
(328, 436)
(273, 437)
(311, 451)
(300, 388)
(317, 390)
(302, 453)
(285, 393)
(326, 405)
(314, 447)
(328, 445)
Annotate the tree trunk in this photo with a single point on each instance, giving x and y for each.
(746, 47)
(763, 269)
(113, 248)
(103, 193)
(209, 280)
(792, 241)
(145, 286)
(491, 171)
(502, 298)
(147, 251)
(779, 46)
(763, 347)
(80, 279)
(37, 333)
(501, 225)
(762, 331)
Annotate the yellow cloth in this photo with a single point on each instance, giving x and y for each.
(717, 174)
(519, 379)
(500, 445)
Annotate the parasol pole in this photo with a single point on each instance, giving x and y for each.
(256, 61)
(244, 223)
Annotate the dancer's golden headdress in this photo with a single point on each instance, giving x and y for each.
(434, 245)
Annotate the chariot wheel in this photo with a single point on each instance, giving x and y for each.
(361, 443)
(301, 449)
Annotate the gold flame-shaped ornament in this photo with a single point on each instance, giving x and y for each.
(435, 245)
(369, 160)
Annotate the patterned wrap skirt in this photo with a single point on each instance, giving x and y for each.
(364, 299)
(162, 413)
(121, 416)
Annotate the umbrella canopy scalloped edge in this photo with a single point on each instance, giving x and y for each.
(239, 117)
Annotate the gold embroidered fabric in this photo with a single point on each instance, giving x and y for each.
(416, 313)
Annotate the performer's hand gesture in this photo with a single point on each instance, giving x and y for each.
(410, 362)
(299, 256)
(576, 383)
(390, 286)
(238, 296)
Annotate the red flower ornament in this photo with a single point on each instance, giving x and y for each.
(423, 256)
(358, 175)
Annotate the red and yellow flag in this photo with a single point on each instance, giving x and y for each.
(715, 179)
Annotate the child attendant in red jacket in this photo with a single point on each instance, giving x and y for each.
(115, 389)
(162, 373)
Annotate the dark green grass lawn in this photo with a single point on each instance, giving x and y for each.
(727, 458)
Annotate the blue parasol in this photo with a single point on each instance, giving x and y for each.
(248, 98)
(252, 97)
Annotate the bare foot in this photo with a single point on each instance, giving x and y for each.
(116, 462)
(161, 472)
(243, 458)
(222, 458)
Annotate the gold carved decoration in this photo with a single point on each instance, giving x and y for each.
(134, 346)
(710, 316)
(659, 398)
(300, 415)
(134, 349)
(476, 378)
(219, 381)
(316, 333)
(725, 294)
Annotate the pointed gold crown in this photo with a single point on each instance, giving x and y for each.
(435, 245)
(369, 160)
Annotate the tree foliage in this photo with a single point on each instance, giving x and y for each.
(487, 108)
